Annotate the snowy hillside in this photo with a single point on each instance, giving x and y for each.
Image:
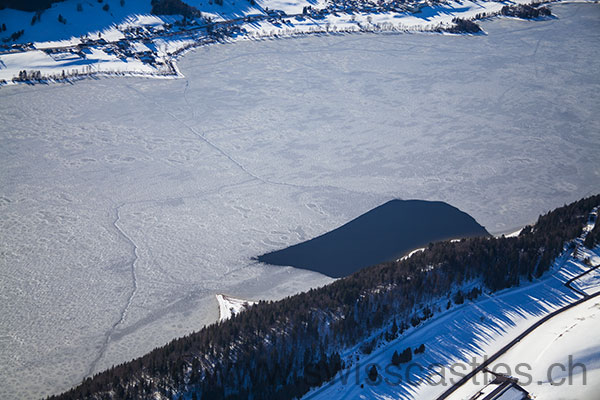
(466, 335)
(81, 17)
(74, 39)
(87, 17)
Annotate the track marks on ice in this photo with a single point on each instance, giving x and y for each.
(134, 287)
(134, 248)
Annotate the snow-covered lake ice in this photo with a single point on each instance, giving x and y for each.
(127, 204)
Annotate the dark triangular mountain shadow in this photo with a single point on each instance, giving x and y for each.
(382, 234)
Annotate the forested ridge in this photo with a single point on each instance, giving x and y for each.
(174, 7)
(278, 350)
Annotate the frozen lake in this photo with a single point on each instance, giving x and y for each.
(127, 204)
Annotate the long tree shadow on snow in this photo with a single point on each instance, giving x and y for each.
(454, 338)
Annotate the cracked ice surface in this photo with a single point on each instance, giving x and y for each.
(263, 145)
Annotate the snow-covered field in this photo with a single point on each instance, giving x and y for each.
(566, 343)
(127, 204)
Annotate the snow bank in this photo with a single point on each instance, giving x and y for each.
(230, 306)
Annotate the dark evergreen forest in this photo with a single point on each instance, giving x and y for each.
(28, 5)
(593, 238)
(174, 7)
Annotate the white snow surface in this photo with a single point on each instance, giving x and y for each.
(590, 282)
(230, 306)
(569, 339)
(410, 254)
(514, 234)
(127, 204)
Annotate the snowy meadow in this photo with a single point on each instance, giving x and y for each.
(127, 204)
